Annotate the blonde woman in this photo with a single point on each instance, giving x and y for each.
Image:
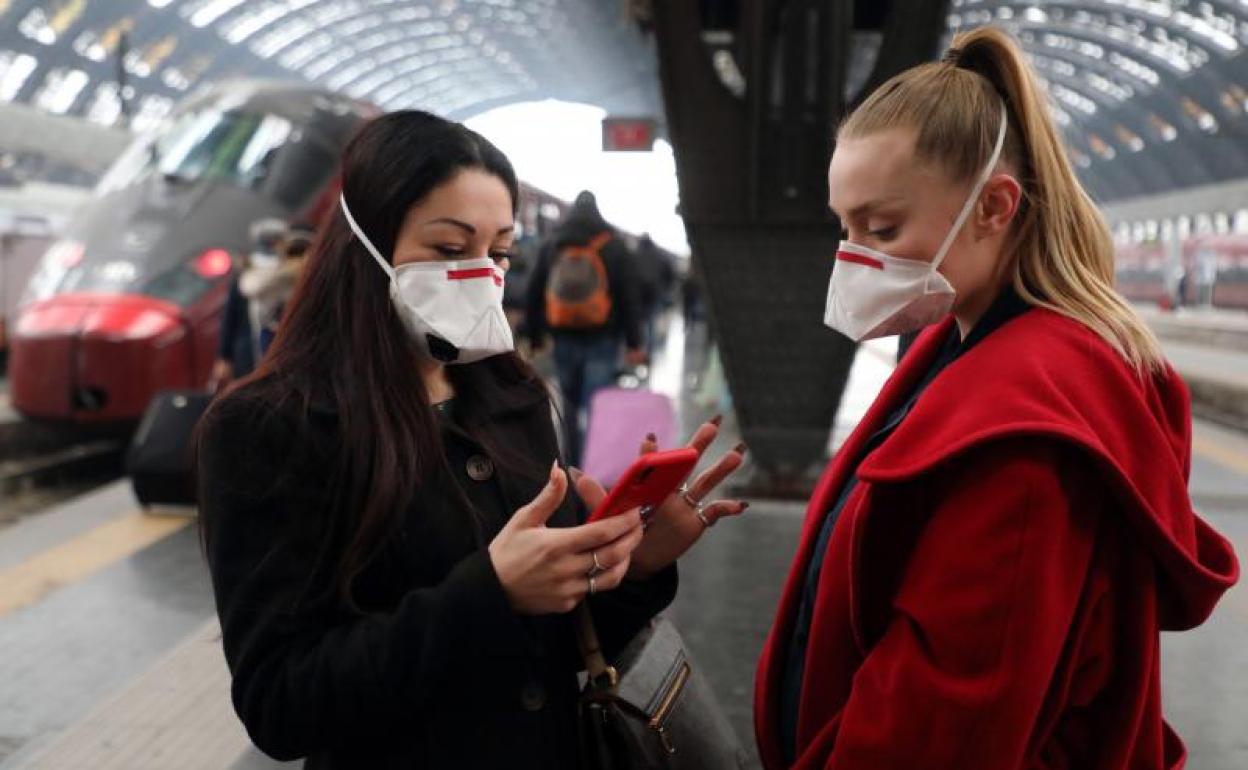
(988, 561)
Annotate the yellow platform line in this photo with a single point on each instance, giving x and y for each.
(1223, 455)
(29, 581)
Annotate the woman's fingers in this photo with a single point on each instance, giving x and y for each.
(705, 435)
(714, 476)
(649, 444)
(540, 509)
(612, 577)
(721, 508)
(590, 537)
(588, 488)
(608, 556)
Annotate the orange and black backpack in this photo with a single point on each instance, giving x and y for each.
(577, 294)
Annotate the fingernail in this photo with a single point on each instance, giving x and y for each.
(741, 449)
(653, 439)
(744, 507)
(717, 420)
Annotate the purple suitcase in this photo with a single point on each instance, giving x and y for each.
(619, 419)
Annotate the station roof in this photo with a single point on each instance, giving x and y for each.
(1152, 95)
(453, 57)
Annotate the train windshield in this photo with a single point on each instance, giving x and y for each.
(234, 147)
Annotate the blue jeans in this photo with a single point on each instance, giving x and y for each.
(585, 365)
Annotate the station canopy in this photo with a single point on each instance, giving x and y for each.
(1151, 95)
(453, 57)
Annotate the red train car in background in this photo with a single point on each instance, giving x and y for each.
(129, 301)
(1204, 270)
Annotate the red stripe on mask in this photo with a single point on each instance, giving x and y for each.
(464, 275)
(480, 272)
(858, 259)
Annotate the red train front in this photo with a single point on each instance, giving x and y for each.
(129, 302)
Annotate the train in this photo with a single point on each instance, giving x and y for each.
(129, 300)
(1202, 270)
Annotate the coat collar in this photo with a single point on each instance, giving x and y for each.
(1048, 376)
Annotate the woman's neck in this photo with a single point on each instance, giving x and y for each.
(971, 308)
(437, 384)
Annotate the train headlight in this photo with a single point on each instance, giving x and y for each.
(213, 263)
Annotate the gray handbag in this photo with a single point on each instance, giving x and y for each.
(653, 710)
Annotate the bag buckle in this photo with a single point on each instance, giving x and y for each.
(609, 679)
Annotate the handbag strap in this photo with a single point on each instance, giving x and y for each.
(602, 676)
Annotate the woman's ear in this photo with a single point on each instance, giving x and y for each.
(998, 203)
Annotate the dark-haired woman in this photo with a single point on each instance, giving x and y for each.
(393, 545)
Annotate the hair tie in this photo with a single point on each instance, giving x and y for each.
(952, 56)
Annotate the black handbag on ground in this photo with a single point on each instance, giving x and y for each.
(652, 710)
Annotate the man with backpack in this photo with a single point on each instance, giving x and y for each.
(584, 294)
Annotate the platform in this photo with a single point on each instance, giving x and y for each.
(110, 656)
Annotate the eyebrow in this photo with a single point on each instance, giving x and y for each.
(467, 227)
(863, 208)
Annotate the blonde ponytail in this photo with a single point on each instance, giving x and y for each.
(1063, 251)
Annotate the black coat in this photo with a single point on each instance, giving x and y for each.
(236, 343)
(440, 672)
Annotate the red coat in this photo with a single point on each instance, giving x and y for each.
(995, 586)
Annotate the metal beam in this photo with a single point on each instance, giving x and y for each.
(753, 186)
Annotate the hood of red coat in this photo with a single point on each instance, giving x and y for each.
(1047, 375)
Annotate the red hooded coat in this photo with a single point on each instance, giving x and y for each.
(994, 589)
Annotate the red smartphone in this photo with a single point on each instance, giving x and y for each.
(648, 481)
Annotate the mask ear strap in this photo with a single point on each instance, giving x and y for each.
(359, 233)
(969, 206)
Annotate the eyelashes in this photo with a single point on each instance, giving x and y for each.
(883, 234)
(453, 253)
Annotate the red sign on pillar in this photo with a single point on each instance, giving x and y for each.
(628, 134)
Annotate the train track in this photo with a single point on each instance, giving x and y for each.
(41, 464)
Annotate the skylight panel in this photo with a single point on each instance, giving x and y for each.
(15, 70)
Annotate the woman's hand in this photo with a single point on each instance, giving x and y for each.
(676, 524)
(546, 571)
(222, 373)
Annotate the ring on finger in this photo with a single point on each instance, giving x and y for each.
(593, 589)
(700, 512)
(597, 569)
(687, 495)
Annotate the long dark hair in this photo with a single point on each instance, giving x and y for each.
(341, 341)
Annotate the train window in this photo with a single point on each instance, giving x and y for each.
(180, 285)
(235, 147)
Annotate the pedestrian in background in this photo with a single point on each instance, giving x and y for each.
(237, 340)
(585, 295)
(656, 277)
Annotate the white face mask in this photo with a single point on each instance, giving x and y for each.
(872, 294)
(454, 310)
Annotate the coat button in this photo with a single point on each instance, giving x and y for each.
(480, 468)
(533, 696)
